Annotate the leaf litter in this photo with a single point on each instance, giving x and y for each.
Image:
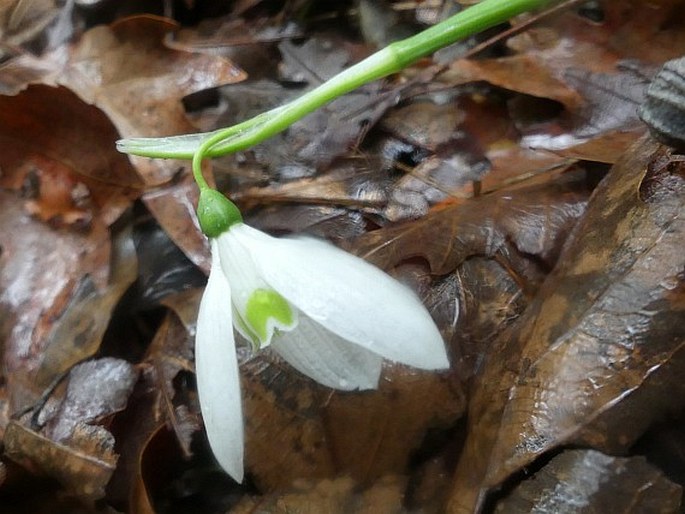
(560, 299)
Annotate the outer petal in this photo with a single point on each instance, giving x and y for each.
(327, 358)
(216, 366)
(348, 296)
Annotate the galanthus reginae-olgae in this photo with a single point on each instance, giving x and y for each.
(331, 315)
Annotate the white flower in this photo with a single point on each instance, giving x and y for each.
(331, 315)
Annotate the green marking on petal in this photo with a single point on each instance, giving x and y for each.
(263, 305)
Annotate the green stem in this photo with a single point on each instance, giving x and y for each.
(476, 18)
(389, 60)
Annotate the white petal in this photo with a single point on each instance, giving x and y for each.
(239, 269)
(216, 366)
(327, 358)
(349, 297)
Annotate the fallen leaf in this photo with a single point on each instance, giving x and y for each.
(83, 470)
(174, 207)
(60, 151)
(337, 496)
(595, 357)
(298, 429)
(601, 94)
(578, 481)
(128, 72)
(77, 332)
(523, 221)
(31, 297)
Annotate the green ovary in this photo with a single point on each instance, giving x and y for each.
(263, 305)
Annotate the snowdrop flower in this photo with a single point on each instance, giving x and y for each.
(331, 315)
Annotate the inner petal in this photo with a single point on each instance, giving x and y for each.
(327, 358)
(258, 310)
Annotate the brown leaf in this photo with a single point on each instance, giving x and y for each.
(135, 429)
(23, 69)
(298, 429)
(23, 21)
(597, 355)
(40, 269)
(170, 353)
(600, 94)
(96, 389)
(445, 162)
(128, 72)
(173, 207)
(83, 470)
(585, 481)
(231, 31)
(338, 496)
(336, 223)
(72, 449)
(523, 221)
(374, 434)
(76, 333)
(60, 151)
(473, 306)
(153, 410)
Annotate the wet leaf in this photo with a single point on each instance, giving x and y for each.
(579, 481)
(96, 389)
(594, 359)
(59, 151)
(338, 496)
(23, 22)
(156, 407)
(72, 448)
(231, 31)
(31, 297)
(170, 353)
(474, 305)
(83, 470)
(374, 434)
(314, 142)
(77, 333)
(336, 223)
(143, 83)
(523, 221)
(318, 432)
(174, 209)
(164, 269)
(485, 255)
(600, 94)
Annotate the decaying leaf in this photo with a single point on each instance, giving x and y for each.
(156, 410)
(526, 220)
(594, 358)
(338, 496)
(77, 333)
(84, 472)
(314, 142)
(549, 348)
(96, 389)
(296, 425)
(31, 297)
(72, 448)
(26, 22)
(173, 207)
(59, 152)
(600, 94)
(128, 72)
(585, 481)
